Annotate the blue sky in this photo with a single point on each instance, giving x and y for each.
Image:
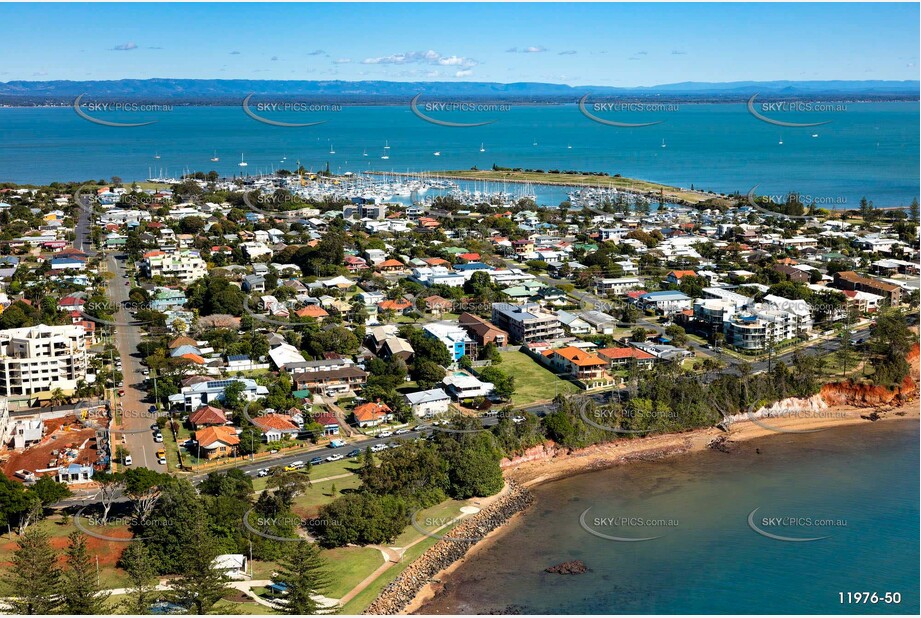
(578, 44)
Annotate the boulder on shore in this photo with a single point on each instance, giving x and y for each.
(570, 567)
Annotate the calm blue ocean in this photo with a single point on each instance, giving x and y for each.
(864, 480)
(868, 149)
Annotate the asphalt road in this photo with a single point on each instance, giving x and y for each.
(136, 434)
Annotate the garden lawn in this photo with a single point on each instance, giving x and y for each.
(532, 381)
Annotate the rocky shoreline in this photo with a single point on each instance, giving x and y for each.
(400, 592)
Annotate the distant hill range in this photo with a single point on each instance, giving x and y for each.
(231, 91)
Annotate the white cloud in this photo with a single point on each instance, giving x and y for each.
(422, 57)
(532, 49)
(463, 73)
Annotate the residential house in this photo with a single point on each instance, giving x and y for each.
(275, 427)
(428, 403)
(207, 416)
(576, 363)
(624, 357)
(464, 386)
(216, 442)
(483, 331)
(372, 414)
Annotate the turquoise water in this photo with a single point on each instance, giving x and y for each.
(869, 149)
(864, 480)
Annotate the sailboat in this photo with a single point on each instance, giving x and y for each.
(482, 149)
(386, 145)
(331, 151)
(242, 163)
(815, 135)
(780, 143)
(215, 158)
(569, 146)
(437, 153)
(385, 155)
(534, 143)
(156, 155)
(364, 153)
(663, 143)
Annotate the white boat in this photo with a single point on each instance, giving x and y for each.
(156, 155)
(385, 156)
(364, 152)
(215, 158)
(242, 163)
(815, 135)
(569, 146)
(482, 149)
(386, 145)
(331, 151)
(534, 143)
(663, 143)
(437, 153)
(780, 143)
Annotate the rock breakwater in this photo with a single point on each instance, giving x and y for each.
(400, 592)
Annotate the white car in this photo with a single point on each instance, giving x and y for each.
(335, 457)
(377, 448)
(158, 437)
(400, 432)
(263, 472)
(385, 434)
(518, 419)
(161, 461)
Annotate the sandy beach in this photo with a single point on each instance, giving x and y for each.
(546, 464)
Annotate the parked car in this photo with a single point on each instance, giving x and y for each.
(263, 472)
(127, 460)
(385, 434)
(158, 437)
(334, 457)
(155, 428)
(377, 448)
(400, 432)
(152, 409)
(354, 453)
(316, 461)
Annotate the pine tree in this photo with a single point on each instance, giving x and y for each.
(33, 580)
(304, 576)
(200, 586)
(137, 563)
(913, 210)
(80, 590)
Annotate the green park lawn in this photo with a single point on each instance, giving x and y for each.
(532, 381)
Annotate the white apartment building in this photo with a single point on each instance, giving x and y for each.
(41, 358)
(617, 286)
(186, 266)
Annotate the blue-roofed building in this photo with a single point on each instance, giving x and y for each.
(666, 301)
(67, 263)
(472, 267)
(185, 349)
